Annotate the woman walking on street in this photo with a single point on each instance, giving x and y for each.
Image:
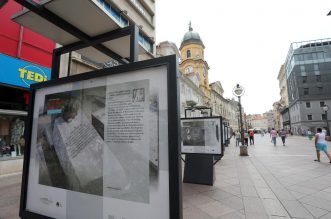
(320, 144)
(273, 135)
(283, 136)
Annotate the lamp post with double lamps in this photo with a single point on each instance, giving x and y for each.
(326, 109)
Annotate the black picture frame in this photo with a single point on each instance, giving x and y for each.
(174, 159)
(221, 134)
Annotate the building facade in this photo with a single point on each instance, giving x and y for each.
(283, 86)
(190, 94)
(270, 119)
(25, 58)
(219, 103)
(234, 122)
(192, 61)
(308, 73)
(278, 122)
(139, 12)
(257, 122)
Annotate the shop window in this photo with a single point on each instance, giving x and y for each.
(12, 141)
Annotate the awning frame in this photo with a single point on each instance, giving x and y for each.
(85, 40)
(132, 30)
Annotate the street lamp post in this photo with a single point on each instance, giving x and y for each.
(326, 109)
(238, 91)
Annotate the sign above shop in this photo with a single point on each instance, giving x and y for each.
(21, 73)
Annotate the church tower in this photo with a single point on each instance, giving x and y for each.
(193, 61)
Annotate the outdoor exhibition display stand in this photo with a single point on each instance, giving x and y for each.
(105, 144)
(202, 141)
(102, 144)
(227, 135)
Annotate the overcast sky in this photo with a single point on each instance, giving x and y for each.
(246, 41)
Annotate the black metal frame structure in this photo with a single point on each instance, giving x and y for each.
(85, 40)
(175, 170)
(200, 167)
(132, 31)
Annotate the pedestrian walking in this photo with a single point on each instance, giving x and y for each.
(246, 137)
(310, 135)
(320, 145)
(237, 138)
(283, 136)
(273, 135)
(251, 137)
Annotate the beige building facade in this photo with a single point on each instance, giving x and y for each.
(257, 121)
(283, 86)
(141, 13)
(277, 117)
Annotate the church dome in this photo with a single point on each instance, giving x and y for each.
(191, 37)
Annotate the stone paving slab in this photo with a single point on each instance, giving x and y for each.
(233, 215)
(327, 216)
(216, 209)
(316, 212)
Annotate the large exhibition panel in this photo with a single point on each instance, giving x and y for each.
(103, 145)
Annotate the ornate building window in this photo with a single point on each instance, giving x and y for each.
(188, 53)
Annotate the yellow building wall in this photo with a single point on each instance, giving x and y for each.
(198, 63)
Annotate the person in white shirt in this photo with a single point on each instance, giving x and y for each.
(237, 135)
(320, 145)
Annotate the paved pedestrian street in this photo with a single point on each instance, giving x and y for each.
(10, 190)
(273, 182)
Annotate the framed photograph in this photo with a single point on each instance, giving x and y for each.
(201, 135)
(105, 145)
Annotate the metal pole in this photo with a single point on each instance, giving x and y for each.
(327, 123)
(241, 122)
